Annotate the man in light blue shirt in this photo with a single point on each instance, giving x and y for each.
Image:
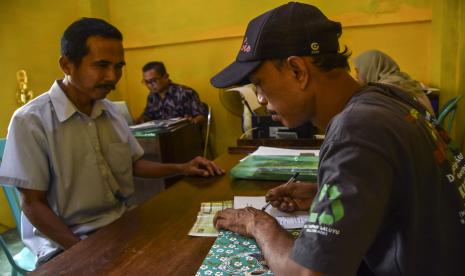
(70, 153)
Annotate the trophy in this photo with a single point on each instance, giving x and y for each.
(23, 95)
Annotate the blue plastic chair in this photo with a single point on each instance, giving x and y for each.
(448, 111)
(25, 260)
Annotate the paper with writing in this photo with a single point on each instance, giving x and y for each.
(286, 220)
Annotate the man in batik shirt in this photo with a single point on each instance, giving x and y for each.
(167, 99)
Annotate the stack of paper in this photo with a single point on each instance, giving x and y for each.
(203, 226)
(286, 220)
(158, 124)
(273, 151)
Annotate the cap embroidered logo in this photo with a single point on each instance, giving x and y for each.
(245, 46)
(315, 47)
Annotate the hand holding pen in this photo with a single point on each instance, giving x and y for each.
(292, 179)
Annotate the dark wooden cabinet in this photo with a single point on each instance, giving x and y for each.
(177, 145)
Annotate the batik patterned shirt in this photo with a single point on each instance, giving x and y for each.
(179, 101)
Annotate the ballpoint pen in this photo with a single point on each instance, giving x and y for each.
(292, 179)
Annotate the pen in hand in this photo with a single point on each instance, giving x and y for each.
(292, 179)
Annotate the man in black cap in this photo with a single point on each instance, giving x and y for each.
(390, 193)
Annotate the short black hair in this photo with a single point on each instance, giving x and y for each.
(326, 61)
(74, 39)
(155, 65)
(329, 61)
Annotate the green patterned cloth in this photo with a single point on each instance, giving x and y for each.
(234, 254)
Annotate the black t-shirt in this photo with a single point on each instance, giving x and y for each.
(384, 198)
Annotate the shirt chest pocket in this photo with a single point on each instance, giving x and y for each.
(120, 162)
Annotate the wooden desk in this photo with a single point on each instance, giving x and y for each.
(152, 239)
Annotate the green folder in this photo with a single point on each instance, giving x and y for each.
(148, 132)
(278, 167)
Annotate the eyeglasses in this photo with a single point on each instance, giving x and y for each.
(151, 81)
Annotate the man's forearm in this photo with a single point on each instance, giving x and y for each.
(49, 224)
(151, 169)
(198, 119)
(276, 245)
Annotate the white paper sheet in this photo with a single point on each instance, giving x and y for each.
(282, 151)
(286, 220)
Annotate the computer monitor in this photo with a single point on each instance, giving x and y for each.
(264, 127)
(122, 108)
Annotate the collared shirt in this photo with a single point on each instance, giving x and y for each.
(179, 101)
(83, 162)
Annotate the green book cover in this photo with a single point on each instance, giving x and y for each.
(278, 167)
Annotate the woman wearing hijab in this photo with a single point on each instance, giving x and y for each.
(376, 66)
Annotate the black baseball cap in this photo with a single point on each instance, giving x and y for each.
(293, 29)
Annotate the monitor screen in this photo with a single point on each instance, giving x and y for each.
(264, 127)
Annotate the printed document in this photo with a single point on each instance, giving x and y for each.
(286, 220)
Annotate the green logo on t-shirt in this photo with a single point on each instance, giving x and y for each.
(330, 193)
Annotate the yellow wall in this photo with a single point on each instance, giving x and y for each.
(30, 34)
(448, 67)
(198, 40)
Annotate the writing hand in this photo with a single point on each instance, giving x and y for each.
(199, 119)
(296, 196)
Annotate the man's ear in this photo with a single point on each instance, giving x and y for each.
(299, 70)
(66, 65)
